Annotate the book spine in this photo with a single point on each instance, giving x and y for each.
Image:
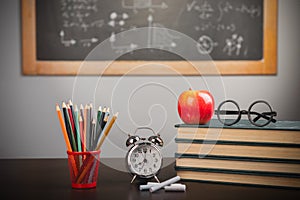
(245, 172)
(239, 179)
(240, 150)
(238, 158)
(266, 144)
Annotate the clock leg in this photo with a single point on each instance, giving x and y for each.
(156, 179)
(133, 179)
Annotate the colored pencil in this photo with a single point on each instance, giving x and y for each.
(76, 122)
(93, 129)
(89, 162)
(92, 112)
(71, 117)
(101, 130)
(81, 127)
(71, 113)
(107, 130)
(82, 111)
(105, 121)
(98, 126)
(91, 133)
(69, 127)
(65, 112)
(71, 138)
(103, 115)
(98, 120)
(88, 128)
(85, 126)
(106, 116)
(63, 128)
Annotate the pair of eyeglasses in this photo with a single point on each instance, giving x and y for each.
(259, 113)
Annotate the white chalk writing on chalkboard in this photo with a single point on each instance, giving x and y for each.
(76, 12)
(234, 45)
(216, 25)
(118, 19)
(226, 7)
(66, 43)
(142, 4)
(204, 9)
(158, 37)
(206, 44)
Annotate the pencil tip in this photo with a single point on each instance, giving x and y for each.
(63, 104)
(117, 114)
(81, 106)
(70, 102)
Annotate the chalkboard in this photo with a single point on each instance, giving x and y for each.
(239, 31)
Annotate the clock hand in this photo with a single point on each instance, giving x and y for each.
(141, 162)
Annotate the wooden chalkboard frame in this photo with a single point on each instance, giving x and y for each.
(266, 66)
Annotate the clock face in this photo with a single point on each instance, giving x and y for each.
(144, 160)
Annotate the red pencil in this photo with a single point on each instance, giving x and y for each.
(72, 121)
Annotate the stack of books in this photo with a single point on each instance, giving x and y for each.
(240, 154)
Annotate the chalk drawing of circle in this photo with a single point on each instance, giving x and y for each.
(205, 44)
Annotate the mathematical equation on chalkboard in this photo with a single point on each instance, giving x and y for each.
(224, 29)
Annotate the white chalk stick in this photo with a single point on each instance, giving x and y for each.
(148, 186)
(175, 188)
(145, 187)
(165, 183)
(152, 183)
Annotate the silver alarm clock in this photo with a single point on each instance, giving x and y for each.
(144, 159)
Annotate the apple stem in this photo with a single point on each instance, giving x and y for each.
(190, 88)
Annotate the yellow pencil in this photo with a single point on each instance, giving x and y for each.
(63, 128)
(106, 132)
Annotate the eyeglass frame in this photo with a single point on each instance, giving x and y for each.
(248, 113)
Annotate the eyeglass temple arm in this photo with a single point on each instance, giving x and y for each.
(226, 112)
(265, 116)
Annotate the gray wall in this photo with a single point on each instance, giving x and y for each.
(29, 127)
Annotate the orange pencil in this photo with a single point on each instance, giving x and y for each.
(65, 134)
(63, 128)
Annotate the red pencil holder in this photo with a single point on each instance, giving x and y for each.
(83, 168)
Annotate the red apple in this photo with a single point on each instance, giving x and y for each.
(195, 106)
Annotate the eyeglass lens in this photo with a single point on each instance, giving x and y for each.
(228, 112)
(260, 113)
